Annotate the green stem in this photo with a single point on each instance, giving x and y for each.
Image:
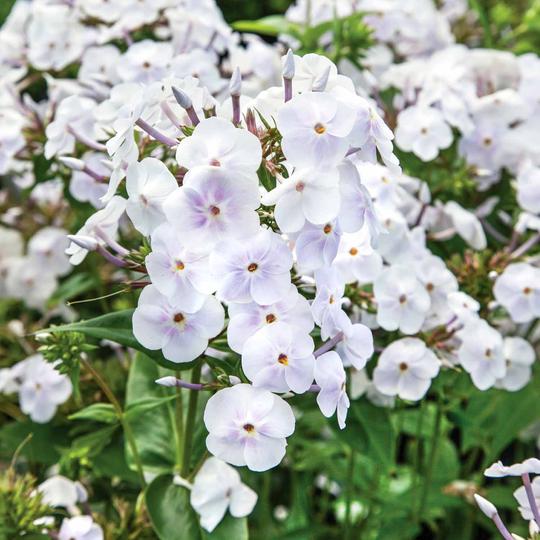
(190, 421)
(431, 459)
(483, 15)
(418, 455)
(123, 420)
(348, 496)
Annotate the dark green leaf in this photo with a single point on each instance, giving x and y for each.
(153, 429)
(99, 412)
(146, 404)
(268, 26)
(41, 448)
(170, 511)
(117, 327)
(228, 529)
(370, 431)
(94, 442)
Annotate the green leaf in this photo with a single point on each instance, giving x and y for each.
(73, 286)
(370, 431)
(173, 517)
(494, 418)
(94, 442)
(153, 428)
(146, 404)
(43, 447)
(170, 511)
(407, 421)
(99, 412)
(117, 327)
(268, 26)
(229, 528)
(266, 179)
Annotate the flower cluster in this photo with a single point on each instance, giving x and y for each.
(527, 496)
(257, 198)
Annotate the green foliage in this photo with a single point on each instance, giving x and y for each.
(43, 448)
(349, 36)
(154, 430)
(116, 327)
(5, 8)
(99, 412)
(20, 506)
(173, 517)
(64, 350)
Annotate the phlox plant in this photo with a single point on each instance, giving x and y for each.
(282, 288)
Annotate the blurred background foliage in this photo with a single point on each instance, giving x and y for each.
(505, 24)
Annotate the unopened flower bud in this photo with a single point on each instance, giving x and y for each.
(72, 163)
(166, 381)
(288, 65)
(86, 242)
(235, 86)
(208, 104)
(182, 98)
(487, 508)
(185, 102)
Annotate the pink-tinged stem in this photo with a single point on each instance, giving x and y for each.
(155, 133)
(521, 250)
(330, 344)
(113, 259)
(505, 533)
(121, 250)
(96, 176)
(236, 110)
(94, 145)
(287, 87)
(165, 107)
(192, 115)
(189, 385)
(530, 496)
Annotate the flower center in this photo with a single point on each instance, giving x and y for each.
(146, 64)
(215, 211)
(180, 265)
(527, 290)
(331, 300)
(252, 267)
(215, 162)
(283, 359)
(487, 353)
(270, 318)
(353, 251)
(487, 141)
(250, 428)
(403, 366)
(143, 199)
(430, 287)
(300, 187)
(319, 129)
(402, 299)
(327, 228)
(179, 318)
(424, 131)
